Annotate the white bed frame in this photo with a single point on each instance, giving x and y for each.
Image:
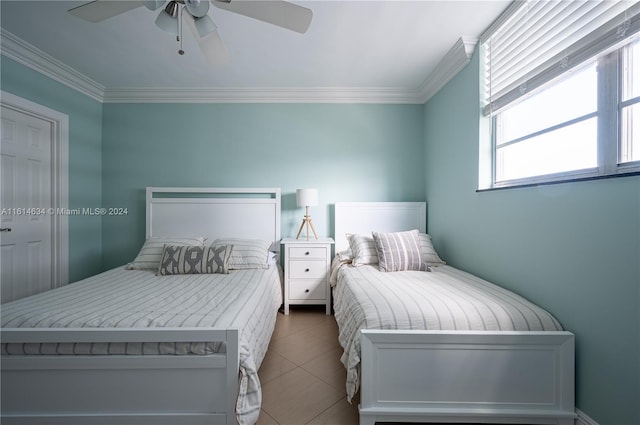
(455, 376)
(147, 389)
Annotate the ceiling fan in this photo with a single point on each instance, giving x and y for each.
(276, 12)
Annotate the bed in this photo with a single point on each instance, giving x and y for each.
(130, 347)
(442, 345)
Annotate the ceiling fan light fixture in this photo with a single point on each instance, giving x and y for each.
(153, 4)
(197, 8)
(204, 25)
(167, 20)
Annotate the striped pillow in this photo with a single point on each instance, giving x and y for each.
(151, 252)
(195, 259)
(399, 251)
(363, 249)
(247, 253)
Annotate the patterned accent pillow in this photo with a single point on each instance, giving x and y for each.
(247, 253)
(363, 249)
(399, 251)
(429, 253)
(195, 259)
(151, 252)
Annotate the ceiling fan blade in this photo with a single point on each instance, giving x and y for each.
(210, 44)
(100, 10)
(277, 12)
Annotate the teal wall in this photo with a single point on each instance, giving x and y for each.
(573, 248)
(348, 152)
(85, 155)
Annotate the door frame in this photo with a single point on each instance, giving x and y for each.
(59, 180)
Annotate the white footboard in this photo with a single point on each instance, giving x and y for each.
(120, 389)
(478, 377)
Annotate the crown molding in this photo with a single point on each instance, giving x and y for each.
(26, 54)
(261, 95)
(17, 49)
(453, 62)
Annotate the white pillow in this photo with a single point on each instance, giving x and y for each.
(428, 252)
(150, 254)
(363, 249)
(247, 253)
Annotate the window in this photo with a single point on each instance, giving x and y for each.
(630, 105)
(564, 109)
(552, 132)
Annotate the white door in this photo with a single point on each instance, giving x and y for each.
(26, 236)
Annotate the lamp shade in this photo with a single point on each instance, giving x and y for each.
(167, 20)
(307, 197)
(197, 8)
(167, 23)
(204, 25)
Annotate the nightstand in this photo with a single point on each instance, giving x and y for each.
(307, 265)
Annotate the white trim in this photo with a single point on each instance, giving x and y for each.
(453, 62)
(30, 56)
(60, 168)
(26, 54)
(584, 419)
(261, 95)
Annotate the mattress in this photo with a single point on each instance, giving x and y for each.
(244, 299)
(443, 299)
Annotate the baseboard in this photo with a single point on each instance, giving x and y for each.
(583, 419)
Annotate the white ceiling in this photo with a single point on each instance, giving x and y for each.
(380, 45)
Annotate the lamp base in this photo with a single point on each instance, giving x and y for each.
(306, 222)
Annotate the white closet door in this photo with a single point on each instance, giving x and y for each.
(26, 238)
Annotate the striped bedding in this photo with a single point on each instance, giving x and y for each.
(443, 299)
(244, 299)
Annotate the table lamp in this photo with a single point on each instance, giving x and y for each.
(307, 198)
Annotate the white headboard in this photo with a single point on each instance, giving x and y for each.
(252, 213)
(366, 217)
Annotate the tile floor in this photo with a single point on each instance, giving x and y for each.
(303, 381)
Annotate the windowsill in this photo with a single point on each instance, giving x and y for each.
(569, 180)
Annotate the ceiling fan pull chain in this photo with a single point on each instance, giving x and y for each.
(179, 36)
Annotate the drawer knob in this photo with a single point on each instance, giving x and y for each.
(306, 291)
(307, 253)
(306, 270)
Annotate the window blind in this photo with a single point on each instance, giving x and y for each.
(534, 41)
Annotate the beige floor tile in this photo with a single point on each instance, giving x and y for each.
(304, 346)
(341, 413)
(297, 397)
(265, 419)
(301, 318)
(329, 368)
(273, 366)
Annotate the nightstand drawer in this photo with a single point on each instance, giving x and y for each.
(307, 269)
(308, 289)
(296, 252)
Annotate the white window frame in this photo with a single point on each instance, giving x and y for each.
(609, 107)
